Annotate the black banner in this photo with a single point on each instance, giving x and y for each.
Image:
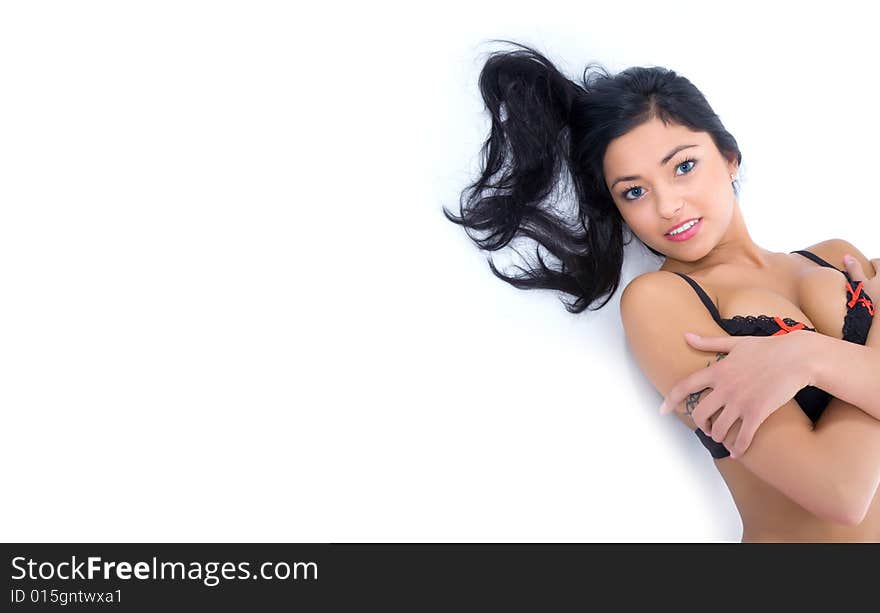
(411, 576)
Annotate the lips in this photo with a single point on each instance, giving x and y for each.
(686, 221)
(686, 234)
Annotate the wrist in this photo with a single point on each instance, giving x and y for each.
(810, 353)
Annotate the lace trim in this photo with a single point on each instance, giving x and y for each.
(746, 325)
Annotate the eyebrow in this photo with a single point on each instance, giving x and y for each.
(662, 162)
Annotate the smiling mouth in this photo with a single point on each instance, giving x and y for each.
(686, 225)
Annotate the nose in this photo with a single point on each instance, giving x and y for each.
(669, 207)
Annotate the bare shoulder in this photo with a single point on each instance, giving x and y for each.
(656, 309)
(653, 281)
(833, 250)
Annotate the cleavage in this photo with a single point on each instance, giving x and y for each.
(774, 294)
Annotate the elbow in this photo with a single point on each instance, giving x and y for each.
(852, 512)
(851, 517)
(844, 497)
(837, 510)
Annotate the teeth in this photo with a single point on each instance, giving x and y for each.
(685, 227)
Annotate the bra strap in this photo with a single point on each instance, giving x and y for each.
(815, 258)
(704, 297)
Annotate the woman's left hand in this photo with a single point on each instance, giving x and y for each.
(870, 285)
(756, 377)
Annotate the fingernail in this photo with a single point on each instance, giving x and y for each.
(663, 408)
(848, 259)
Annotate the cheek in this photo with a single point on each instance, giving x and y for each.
(639, 223)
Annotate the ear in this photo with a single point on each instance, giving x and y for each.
(732, 168)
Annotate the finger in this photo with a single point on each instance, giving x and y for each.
(723, 423)
(745, 436)
(712, 343)
(707, 404)
(853, 268)
(684, 389)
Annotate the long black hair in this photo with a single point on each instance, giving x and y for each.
(544, 123)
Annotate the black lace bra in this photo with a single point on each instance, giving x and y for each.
(812, 400)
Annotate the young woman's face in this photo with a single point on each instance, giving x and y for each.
(693, 182)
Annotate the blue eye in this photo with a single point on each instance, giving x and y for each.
(680, 164)
(628, 191)
(690, 168)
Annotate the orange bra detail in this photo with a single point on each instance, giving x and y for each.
(856, 299)
(784, 328)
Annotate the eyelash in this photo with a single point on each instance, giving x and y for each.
(629, 189)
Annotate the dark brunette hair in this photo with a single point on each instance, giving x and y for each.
(542, 124)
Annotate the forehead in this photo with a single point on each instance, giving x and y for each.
(644, 146)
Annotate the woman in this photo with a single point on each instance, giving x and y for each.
(791, 416)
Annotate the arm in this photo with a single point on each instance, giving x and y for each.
(656, 309)
(846, 370)
(849, 428)
(850, 435)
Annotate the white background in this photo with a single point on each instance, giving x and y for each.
(232, 309)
